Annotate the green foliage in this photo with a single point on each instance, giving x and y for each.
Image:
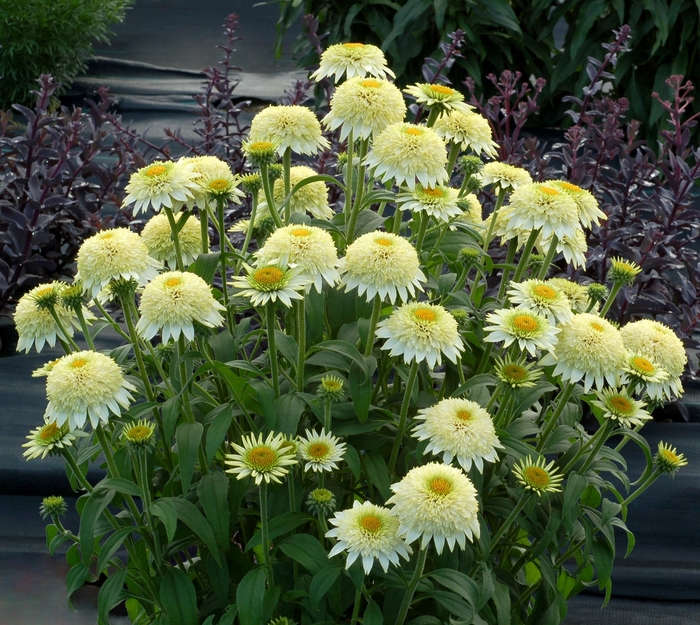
(541, 38)
(49, 37)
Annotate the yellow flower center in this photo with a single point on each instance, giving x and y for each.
(536, 477)
(156, 170)
(570, 187)
(463, 415)
(80, 362)
(620, 403)
(598, 327)
(301, 232)
(434, 192)
(107, 235)
(173, 282)
(45, 291)
(318, 450)
(515, 372)
(384, 242)
(262, 458)
(544, 291)
(669, 456)
(138, 432)
(268, 275)
(416, 132)
(549, 191)
(425, 314)
(642, 364)
(525, 323)
(440, 486)
(332, 386)
(261, 145)
(442, 89)
(49, 431)
(373, 84)
(354, 45)
(219, 184)
(371, 523)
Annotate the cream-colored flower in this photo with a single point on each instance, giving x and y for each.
(530, 330)
(309, 249)
(668, 460)
(163, 183)
(48, 440)
(366, 106)
(352, 59)
(436, 502)
(111, 255)
(461, 429)
(421, 331)
(311, 198)
(294, 127)
(620, 406)
(86, 385)
(577, 294)
(140, 434)
(271, 283)
(504, 176)
(470, 131)
(173, 302)
(588, 210)
(218, 186)
(517, 373)
(573, 248)
(381, 263)
(589, 349)
(368, 532)
(407, 152)
(658, 343)
(320, 451)
(442, 97)
(538, 477)
(539, 297)
(644, 371)
(158, 238)
(439, 202)
(623, 271)
(261, 459)
(33, 320)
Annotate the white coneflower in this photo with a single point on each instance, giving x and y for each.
(311, 198)
(163, 183)
(158, 238)
(517, 373)
(381, 263)
(271, 283)
(438, 503)
(321, 451)
(577, 294)
(439, 202)
(294, 127)
(113, 255)
(470, 131)
(420, 331)
(33, 320)
(461, 429)
(588, 210)
(539, 297)
(573, 248)
(261, 459)
(538, 477)
(504, 177)
(620, 406)
(368, 532)
(173, 302)
(86, 385)
(668, 460)
(441, 97)
(48, 440)
(366, 106)
(409, 153)
(530, 330)
(643, 370)
(311, 250)
(352, 59)
(140, 434)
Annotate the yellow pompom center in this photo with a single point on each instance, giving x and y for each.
(371, 523)
(384, 242)
(425, 314)
(219, 184)
(156, 170)
(416, 132)
(570, 187)
(463, 415)
(262, 458)
(44, 291)
(440, 486)
(49, 431)
(301, 232)
(107, 235)
(442, 89)
(354, 45)
(668, 455)
(139, 432)
(598, 327)
(536, 477)
(525, 323)
(173, 282)
(332, 386)
(620, 403)
(261, 145)
(642, 364)
(549, 191)
(433, 192)
(318, 450)
(515, 372)
(268, 275)
(80, 362)
(373, 84)
(544, 291)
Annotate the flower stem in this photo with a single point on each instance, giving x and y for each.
(272, 347)
(548, 259)
(512, 249)
(357, 202)
(128, 307)
(249, 232)
(287, 164)
(522, 265)
(492, 221)
(356, 606)
(265, 535)
(452, 158)
(425, 219)
(507, 523)
(376, 311)
(204, 229)
(650, 480)
(348, 178)
(551, 424)
(611, 298)
(301, 341)
(222, 257)
(408, 391)
(412, 585)
(269, 195)
(176, 238)
(327, 415)
(600, 437)
(66, 337)
(84, 327)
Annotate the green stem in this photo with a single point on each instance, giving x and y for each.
(265, 535)
(650, 480)
(408, 391)
(76, 470)
(204, 228)
(357, 202)
(249, 232)
(507, 523)
(432, 117)
(356, 606)
(600, 437)
(548, 259)
(348, 179)
(129, 306)
(497, 391)
(425, 219)
(115, 326)
(522, 265)
(626, 438)
(287, 164)
(84, 327)
(301, 341)
(512, 249)
(327, 415)
(552, 423)
(398, 217)
(62, 330)
(376, 311)
(272, 347)
(222, 258)
(492, 220)
(292, 491)
(611, 298)
(452, 158)
(145, 484)
(269, 195)
(412, 585)
(176, 238)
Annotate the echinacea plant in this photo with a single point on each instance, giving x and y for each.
(367, 417)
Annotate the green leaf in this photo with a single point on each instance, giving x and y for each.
(440, 7)
(249, 597)
(205, 266)
(165, 511)
(482, 378)
(373, 614)
(287, 346)
(111, 594)
(216, 432)
(458, 583)
(604, 557)
(279, 526)
(353, 460)
(218, 575)
(408, 13)
(307, 551)
(289, 409)
(502, 14)
(178, 596)
(188, 437)
(110, 547)
(367, 221)
(377, 473)
(76, 577)
(188, 513)
(322, 583)
(453, 603)
(329, 360)
(171, 413)
(360, 383)
(212, 491)
(95, 505)
(120, 485)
